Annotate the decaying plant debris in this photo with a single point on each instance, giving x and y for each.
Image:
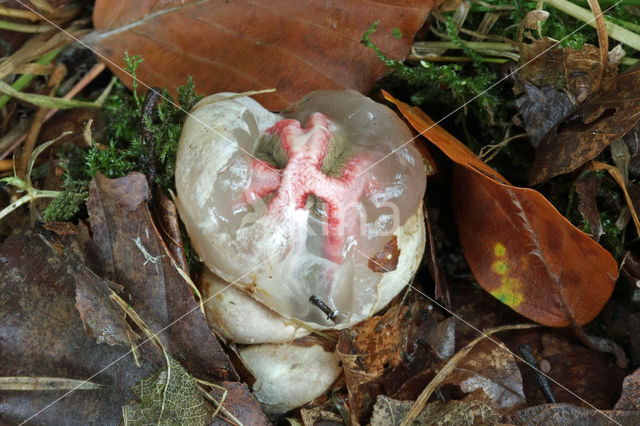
(101, 312)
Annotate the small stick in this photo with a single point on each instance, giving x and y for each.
(422, 399)
(601, 345)
(6, 165)
(38, 119)
(541, 380)
(88, 78)
(331, 315)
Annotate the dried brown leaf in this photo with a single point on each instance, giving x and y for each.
(572, 415)
(389, 412)
(41, 335)
(382, 354)
(101, 318)
(606, 116)
(587, 189)
(241, 404)
(489, 374)
(630, 398)
(293, 46)
(136, 257)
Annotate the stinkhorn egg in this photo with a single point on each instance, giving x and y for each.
(314, 214)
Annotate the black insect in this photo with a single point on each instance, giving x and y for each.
(331, 315)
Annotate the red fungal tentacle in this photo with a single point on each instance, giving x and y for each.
(264, 180)
(302, 176)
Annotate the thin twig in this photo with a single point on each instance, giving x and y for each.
(421, 401)
(88, 78)
(36, 124)
(603, 39)
(25, 28)
(541, 380)
(614, 31)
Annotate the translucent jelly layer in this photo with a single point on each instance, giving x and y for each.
(304, 203)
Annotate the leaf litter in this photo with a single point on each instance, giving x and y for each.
(246, 46)
(477, 390)
(526, 254)
(64, 283)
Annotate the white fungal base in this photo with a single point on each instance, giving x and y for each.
(289, 376)
(241, 319)
(282, 235)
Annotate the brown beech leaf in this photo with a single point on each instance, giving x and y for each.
(381, 355)
(630, 398)
(292, 46)
(390, 412)
(489, 374)
(239, 402)
(42, 335)
(577, 71)
(519, 247)
(587, 188)
(137, 258)
(568, 414)
(606, 116)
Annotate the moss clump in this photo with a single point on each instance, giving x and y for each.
(124, 150)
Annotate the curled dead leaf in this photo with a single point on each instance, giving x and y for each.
(519, 247)
(236, 46)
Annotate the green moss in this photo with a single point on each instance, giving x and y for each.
(123, 149)
(447, 85)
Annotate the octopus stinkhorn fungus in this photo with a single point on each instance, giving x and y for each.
(314, 214)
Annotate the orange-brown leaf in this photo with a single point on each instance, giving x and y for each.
(242, 45)
(519, 247)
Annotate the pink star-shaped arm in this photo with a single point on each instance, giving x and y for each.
(302, 176)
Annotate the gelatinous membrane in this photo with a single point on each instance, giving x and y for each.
(295, 205)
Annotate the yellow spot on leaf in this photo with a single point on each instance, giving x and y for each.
(509, 292)
(499, 250)
(500, 267)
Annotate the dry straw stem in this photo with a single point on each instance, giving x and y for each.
(26, 77)
(186, 277)
(25, 28)
(6, 165)
(26, 186)
(19, 13)
(218, 404)
(421, 401)
(618, 177)
(131, 313)
(38, 120)
(12, 143)
(24, 383)
(44, 6)
(37, 47)
(45, 101)
(603, 40)
(614, 31)
(42, 49)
